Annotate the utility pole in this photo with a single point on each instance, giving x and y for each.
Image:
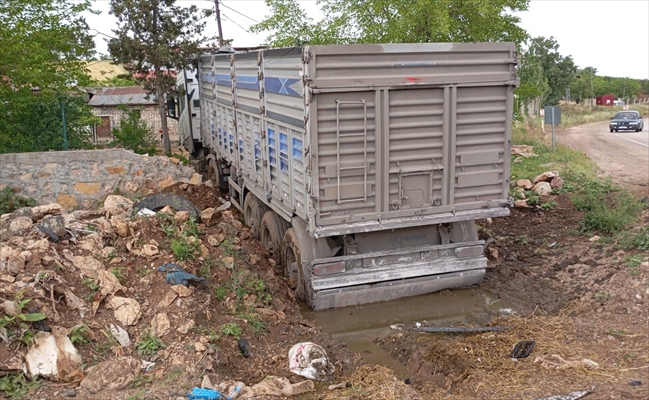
(218, 22)
(592, 95)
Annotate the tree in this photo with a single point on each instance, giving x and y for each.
(44, 44)
(133, 133)
(35, 124)
(394, 21)
(558, 71)
(154, 39)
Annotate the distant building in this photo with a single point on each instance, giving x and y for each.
(105, 104)
(605, 100)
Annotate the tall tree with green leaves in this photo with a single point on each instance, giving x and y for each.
(155, 38)
(394, 21)
(558, 70)
(43, 45)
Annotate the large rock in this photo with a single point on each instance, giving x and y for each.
(160, 325)
(54, 224)
(19, 225)
(127, 311)
(542, 189)
(546, 176)
(524, 184)
(15, 264)
(119, 226)
(115, 205)
(556, 182)
(39, 212)
(210, 216)
(113, 375)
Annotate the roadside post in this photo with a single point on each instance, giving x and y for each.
(542, 113)
(552, 117)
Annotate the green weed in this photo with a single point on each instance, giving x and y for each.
(231, 329)
(15, 386)
(79, 335)
(18, 327)
(641, 239)
(93, 287)
(149, 345)
(220, 292)
(183, 250)
(191, 228)
(119, 273)
(549, 205)
(10, 201)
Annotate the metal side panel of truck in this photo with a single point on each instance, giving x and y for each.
(362, 168)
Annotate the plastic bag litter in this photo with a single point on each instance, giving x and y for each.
(310, 361)
(120, 335)
(570, 396)
(53, 356)
(176, 275)
(208, 394)
(145, 212)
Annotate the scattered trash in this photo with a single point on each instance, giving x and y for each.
(120, 335)
(160, 200)
(53, 356)
(224, 206)
(522, 349)
(570, 396)
(176, 275)
(555, 361)
(407, 381)
(453, 329)
(310, 361)
(244, 346)
(277, 386)
(635, 382)
(147, 365)
(206, 394)
(145, 212)
(341, 385)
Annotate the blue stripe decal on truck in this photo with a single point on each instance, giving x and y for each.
(281, 86)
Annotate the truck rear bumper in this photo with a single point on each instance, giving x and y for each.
(381, 276)
(390, 290)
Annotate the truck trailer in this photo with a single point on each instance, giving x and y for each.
(363, 168)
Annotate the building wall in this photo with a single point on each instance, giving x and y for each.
(80, 178)
(149, 113)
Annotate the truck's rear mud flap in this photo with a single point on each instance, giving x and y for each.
(361, 294)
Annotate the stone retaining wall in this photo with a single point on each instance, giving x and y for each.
(81, 178)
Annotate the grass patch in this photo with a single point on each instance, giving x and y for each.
(10, 201)
(231, 329)
(15, 386)
(149, 345)
(608, 209)
(641, 239)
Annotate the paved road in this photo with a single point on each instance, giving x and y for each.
(624, 155)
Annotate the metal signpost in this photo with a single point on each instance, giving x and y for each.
(552, 117)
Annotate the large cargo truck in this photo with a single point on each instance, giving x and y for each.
(362, 168)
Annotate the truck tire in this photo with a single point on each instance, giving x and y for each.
(213, 173)
(253, 212)
(293, 268)
(271, 233)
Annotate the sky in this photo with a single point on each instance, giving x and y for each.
(610, 35)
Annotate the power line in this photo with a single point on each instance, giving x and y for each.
(243, 15)
(233, 21)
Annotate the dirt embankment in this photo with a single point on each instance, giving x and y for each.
(584, 304)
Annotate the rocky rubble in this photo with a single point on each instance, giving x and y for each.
(98, 311)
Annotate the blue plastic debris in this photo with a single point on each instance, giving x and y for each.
(176, 275)
(205, 394)
(210, 394)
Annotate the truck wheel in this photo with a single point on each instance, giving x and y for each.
(213, 173)
(253, 211)
(293, 269)
(271, 232)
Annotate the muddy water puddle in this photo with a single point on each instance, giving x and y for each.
(359, 326)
